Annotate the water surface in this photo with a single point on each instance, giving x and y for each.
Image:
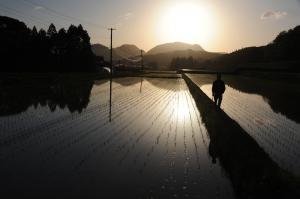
(56, 139)
(267, 111)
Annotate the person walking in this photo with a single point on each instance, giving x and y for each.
(218, 90)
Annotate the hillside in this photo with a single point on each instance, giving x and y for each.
(282, 54)
(123, 52)
(127, 51)
(176, 46)
(103, 51)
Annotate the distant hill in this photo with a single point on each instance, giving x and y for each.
(123, 52)
(103, 51)
(282, 54)
(161, 55)
(127, 51)
(176, 46)
(163, 60)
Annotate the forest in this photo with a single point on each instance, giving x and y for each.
(30, 50)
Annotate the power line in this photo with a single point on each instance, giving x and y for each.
(38, 20)
(22, 14)
(59, 14)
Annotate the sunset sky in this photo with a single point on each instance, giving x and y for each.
(217, 25)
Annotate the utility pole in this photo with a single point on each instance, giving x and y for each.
(111, 50)
(142, 61)
(142, 70)
(111, 70)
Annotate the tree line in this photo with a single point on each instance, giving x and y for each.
(284, 48)
(30, 50)
(185, 62)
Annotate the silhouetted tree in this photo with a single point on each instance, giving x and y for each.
(34, 32)
(31, 50)
(51, 31)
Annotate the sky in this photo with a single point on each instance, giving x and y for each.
(216, 25)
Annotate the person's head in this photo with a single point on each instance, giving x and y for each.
(219, 76)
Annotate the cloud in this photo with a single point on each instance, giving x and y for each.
(128, 15)
(38, 8)
(273, 15)
(123, 18)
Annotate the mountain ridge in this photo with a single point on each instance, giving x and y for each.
(126, 51)
(174, 46)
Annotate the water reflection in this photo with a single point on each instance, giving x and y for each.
(17, 95)
(278, 135)
(141, 87)
(252, 172)
(149, 149)
(283, 97)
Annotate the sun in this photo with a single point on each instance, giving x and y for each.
(186, 22)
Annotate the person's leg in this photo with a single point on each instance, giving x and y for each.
(215, 100)
(220, 101)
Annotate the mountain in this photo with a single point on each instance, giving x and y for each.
(103, 51)
(123, 52)
(163, 60)
(176, 46)
(127, 51)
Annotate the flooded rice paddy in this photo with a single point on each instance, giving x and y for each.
(267, 111)
(63, 139)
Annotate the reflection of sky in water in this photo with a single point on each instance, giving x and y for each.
(278, 135)
(155, 145)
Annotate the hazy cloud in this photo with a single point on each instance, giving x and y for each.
(273, 14)
(128, 15)
(123, 18)
(38, 8)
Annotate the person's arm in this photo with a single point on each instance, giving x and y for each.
(223, 87)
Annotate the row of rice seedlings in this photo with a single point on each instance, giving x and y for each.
(31, 130)
(96, 133)
(114, 135)
(142, 127)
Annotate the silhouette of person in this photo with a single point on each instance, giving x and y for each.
(218, 90)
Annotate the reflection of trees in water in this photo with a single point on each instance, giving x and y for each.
(283, 98)
(18, 95)
(126, 81)
(252, 172)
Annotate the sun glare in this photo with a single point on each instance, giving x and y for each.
(187, 23)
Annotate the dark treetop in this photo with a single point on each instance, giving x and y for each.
(29, 50)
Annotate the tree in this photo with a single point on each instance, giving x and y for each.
(40, 51)
(42, 34)
(34, 32)
(51, 31)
